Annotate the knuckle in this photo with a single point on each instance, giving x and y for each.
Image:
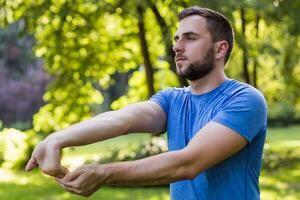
(49, 170)
(76, 186)
(86, 194)
(72, 191)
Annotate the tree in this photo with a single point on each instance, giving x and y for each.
(22, 79)
(83, 44)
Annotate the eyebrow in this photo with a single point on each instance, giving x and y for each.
(186, 34)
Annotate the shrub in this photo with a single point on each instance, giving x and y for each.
(16, 147)
(274, 160)
(151, 147)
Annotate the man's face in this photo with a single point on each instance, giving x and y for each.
(193, 48)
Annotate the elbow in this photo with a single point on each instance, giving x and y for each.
(188, 169)
(190, 173)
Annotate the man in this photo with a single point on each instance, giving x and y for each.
(216, 127)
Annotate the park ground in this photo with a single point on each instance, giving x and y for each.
(277, 183)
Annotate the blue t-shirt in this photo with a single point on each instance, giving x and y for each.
(236, 105)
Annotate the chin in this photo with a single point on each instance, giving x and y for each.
(181, 69)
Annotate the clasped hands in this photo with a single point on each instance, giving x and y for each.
(83, 181)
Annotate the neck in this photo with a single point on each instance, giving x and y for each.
(208, 82)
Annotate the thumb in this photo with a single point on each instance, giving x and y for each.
(32, 163)
(72, 175)
(63, 171)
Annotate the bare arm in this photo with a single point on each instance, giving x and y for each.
(211, 145)
(141, 117)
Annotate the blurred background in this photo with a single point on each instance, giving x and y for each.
(64, 61)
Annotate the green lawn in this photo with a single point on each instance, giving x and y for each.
(283, 183)
(34, 186)
(286, 137)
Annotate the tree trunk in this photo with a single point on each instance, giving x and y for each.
(145, 53)
(255, 60)
(244, 48)
(167, 38)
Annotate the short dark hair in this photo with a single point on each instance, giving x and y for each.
(217, 24)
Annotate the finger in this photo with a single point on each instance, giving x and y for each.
(69, 189)
(72, 175)
(69, 184)
(65, 184)
(63, 171)
(32, 163)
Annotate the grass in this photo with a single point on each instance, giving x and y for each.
(126, 141)
(76, 156)
(285, 137)
(283, 183)
(34, 186)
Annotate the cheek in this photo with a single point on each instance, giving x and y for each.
(197, 52)
(195, 56)
(195, 49)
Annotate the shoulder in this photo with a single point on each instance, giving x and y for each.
(174, 91)
(178, 89)
(243, 91)
(167, 97)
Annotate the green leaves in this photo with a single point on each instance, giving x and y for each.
(83, 43)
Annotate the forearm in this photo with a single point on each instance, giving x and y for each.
(140, 117)
(156, 170)
(98, 128)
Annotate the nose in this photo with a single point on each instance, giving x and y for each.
(178, 46)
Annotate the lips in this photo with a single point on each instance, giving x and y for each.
(181, 58)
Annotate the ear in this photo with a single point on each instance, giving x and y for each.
(221, 49)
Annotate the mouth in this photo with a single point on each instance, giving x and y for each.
(180, 59)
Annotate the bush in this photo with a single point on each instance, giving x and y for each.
(1, 125)
(152, 147)
(274, 160)
(2, 149)
(16, 147)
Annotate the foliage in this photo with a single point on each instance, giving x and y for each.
(154, 146)
(1, 125)
(138, 89)
(274, 160)
(275, 183)
(84, 44)
(20, 99)
(22, 79)
(16, 147)
(15, 50)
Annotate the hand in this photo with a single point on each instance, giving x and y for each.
(46, 156)
(84, 180)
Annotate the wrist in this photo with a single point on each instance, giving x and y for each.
(56, 141)
(104, 173)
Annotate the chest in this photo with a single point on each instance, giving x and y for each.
(188, 116)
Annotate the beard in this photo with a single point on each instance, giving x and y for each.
(199, 68)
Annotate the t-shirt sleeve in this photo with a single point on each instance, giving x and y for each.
(245, 113)
(162, 98)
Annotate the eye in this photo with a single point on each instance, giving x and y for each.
(191, 38)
